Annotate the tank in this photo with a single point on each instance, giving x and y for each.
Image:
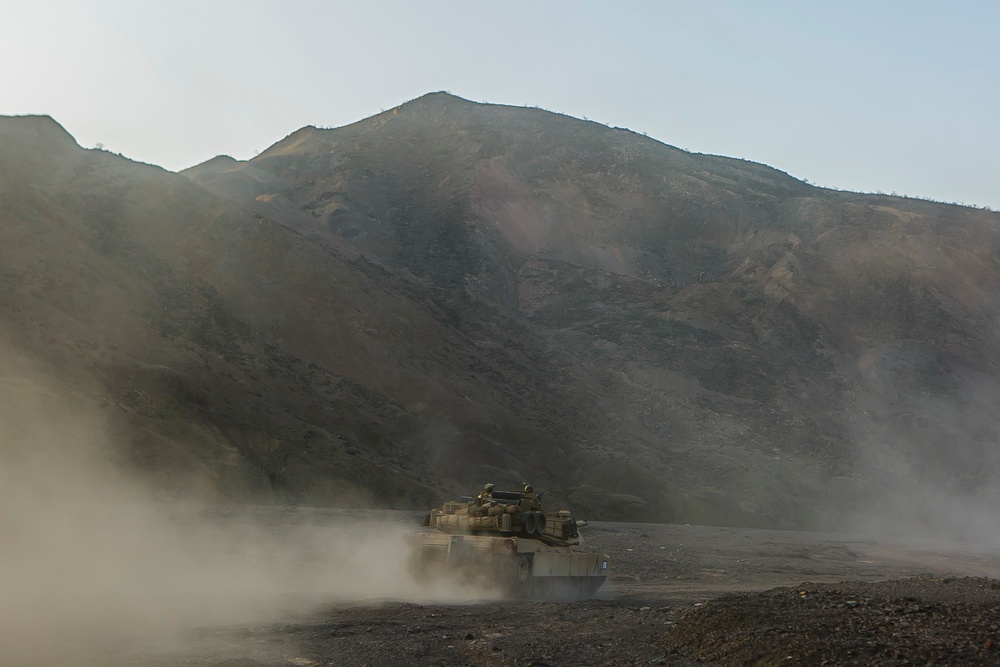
(505, 540)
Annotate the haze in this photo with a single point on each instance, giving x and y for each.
(895, 98)
(90, 559)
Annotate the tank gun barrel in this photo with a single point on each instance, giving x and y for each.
(507, 497)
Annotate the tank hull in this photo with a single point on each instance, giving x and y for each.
(518, 567)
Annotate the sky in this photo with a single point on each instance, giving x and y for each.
(893, 96)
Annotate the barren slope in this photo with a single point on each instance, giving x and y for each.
(734, 338)
(450, 292)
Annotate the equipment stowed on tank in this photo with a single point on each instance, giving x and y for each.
(504, 539)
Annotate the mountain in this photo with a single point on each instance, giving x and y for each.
(450, 293)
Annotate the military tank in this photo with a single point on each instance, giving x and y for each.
(505, 540)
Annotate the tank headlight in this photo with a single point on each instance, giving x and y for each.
(604, 565)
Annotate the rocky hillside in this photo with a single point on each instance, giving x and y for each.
(450, 293)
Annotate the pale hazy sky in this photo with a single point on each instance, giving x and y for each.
(895, 96)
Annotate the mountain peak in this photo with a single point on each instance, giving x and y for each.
(35, 129)
(439, 96)
(215, 165)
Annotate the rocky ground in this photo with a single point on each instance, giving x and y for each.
(679, 595)
(924, 620)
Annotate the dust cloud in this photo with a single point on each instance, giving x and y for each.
(91, 563)
(897, 498)
(931, 478)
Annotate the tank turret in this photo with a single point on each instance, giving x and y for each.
(506, 513)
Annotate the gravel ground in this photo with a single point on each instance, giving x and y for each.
(918, 621)
(678, 595)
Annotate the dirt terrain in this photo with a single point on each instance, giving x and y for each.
(679, 595)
